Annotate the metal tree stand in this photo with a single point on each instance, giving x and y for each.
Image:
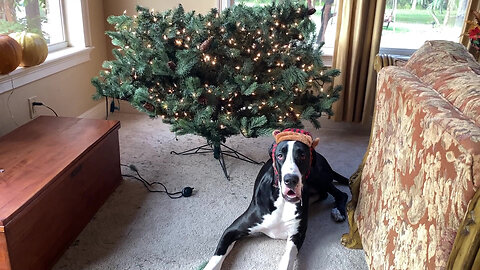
(218, 154)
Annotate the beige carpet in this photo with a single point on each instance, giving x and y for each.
(136, 229)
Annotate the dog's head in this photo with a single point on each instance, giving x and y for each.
(292, 159)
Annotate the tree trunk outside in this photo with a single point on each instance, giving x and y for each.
(432, 13)
(32, 11)
(8, 9)
(2, 12)
(414, 4)
(326, 15)
(450, 6)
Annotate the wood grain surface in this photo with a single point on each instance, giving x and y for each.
(58, 172)
(33, 155)
(4, 258)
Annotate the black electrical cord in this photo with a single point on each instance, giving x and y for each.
(51, 110)
(186, 192)
(41, 104)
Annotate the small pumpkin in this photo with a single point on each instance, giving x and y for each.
(10, 54)
(34, 48)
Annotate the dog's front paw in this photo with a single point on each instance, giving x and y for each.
(337, 216)
(215, 263)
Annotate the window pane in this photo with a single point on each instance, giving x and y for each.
(38, 16)
(409, 23)
(326, 14)
(54, 23)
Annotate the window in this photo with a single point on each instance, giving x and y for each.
(409, 23)
(325, 19)
(69, 29)
(43, 17)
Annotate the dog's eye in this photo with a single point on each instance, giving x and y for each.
(303, 156)
(280, 156)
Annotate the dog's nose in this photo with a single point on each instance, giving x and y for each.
(291, 180)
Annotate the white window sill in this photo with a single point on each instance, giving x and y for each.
(55, 62)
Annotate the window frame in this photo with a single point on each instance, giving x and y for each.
(63, 44)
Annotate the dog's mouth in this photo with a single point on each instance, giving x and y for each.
(291, 195)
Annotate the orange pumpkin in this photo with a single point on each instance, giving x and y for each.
(10, 54)
(34, 48)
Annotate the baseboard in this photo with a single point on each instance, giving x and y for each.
(125, 107)
(354, 127)
(96, 112)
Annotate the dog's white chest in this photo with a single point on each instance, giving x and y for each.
(281, 223)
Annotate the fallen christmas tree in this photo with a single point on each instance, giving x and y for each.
(246, 70)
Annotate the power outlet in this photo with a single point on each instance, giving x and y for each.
(32, 109)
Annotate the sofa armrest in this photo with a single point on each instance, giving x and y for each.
(418, 177)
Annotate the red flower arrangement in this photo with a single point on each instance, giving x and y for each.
(474, 31)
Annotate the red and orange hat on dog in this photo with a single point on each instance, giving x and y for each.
(295, 134)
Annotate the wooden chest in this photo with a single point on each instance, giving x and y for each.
(55, 173)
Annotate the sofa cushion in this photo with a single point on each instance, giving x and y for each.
(449, 69)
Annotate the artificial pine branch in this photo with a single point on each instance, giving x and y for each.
(246, 70)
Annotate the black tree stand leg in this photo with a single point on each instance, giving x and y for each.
(204, 149)
(223, 165)
(218, 153)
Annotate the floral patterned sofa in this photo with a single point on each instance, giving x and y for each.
(415, 198)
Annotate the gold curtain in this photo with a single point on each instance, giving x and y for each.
(359, 29)
(472, 5)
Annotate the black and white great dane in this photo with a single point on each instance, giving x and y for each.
(279, 206)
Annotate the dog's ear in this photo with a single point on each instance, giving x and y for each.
(275, 133)
(315, 142)
(270, 150)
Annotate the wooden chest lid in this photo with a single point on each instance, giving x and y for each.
(35, 154)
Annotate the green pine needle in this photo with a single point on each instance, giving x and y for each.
(247, 70)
